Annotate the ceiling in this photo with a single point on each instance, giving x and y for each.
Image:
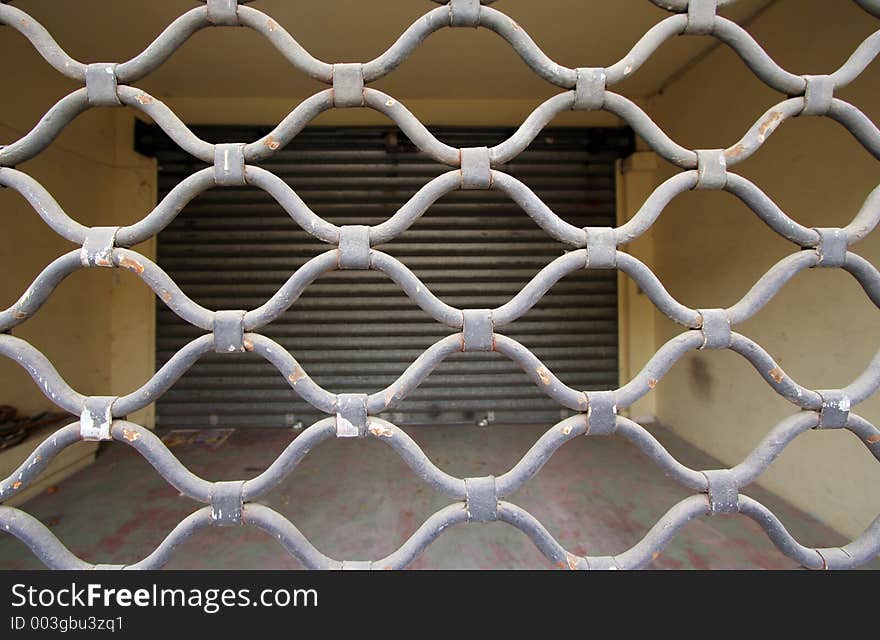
(451, 64)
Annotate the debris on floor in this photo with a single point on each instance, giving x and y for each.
(14, 428)
(196, 437)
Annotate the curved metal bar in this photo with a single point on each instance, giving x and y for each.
(187, 528)
(530, 464)
(164, 287)
(543, 378)
(288, 536)
(43, 42)
(658, 537)
(773, 374)
(775, 442)
(542, 539)
(40, 540)
(415, 289)
(46, 130)
(657, 453)
(415, 458)
(42, 372)
(770, 284)
(153, 450)
(44, 204)
(296, 377)
(652, 287)
(415, 373)
(40, 289)
(423, 537)
(38, 460)
(289, 459)
(778, 534)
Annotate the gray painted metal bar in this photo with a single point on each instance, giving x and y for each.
(717, 492)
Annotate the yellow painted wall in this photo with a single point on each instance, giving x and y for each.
(96, 328)
(710, 248)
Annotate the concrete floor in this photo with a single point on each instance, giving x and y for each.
(358, 500)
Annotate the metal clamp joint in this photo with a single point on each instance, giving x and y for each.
(229, 168)
(601, 413)
(836, 406)
(354, 247)
(97, 248)
(833, 245)
(481, 499)
(228, 330)
(348, 85)
(464, 13)
(701, 17)
(97, 418)
(589, 92)
(478, 330)
(101, 85)
(227, 503)
(351, 415)
(223, 13)
(711, 169)
(601, 248)
(818, 96)
(715, 328)
(476, 172)
(723, 491)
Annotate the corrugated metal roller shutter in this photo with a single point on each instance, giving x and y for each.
(356, 331)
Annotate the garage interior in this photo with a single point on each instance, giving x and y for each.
(477, 414)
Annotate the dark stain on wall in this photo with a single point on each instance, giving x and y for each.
(702, 381)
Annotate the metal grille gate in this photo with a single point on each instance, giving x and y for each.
(230, 503)
(235, 247)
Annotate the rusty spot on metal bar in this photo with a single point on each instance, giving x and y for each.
(16, 484)
(143, 98)
(130, 434)
(769, 125)
(566, 430)
(572, 561)
(248, 344)
(296, 375)
(652, 383)
(655, 555)
(544, 374)
(777, 374)
(271, 25)
(19, 315)
(132, 265)
(379, 431)
(735, 152)
(272, 143)
(873, 439)
(166, 296)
